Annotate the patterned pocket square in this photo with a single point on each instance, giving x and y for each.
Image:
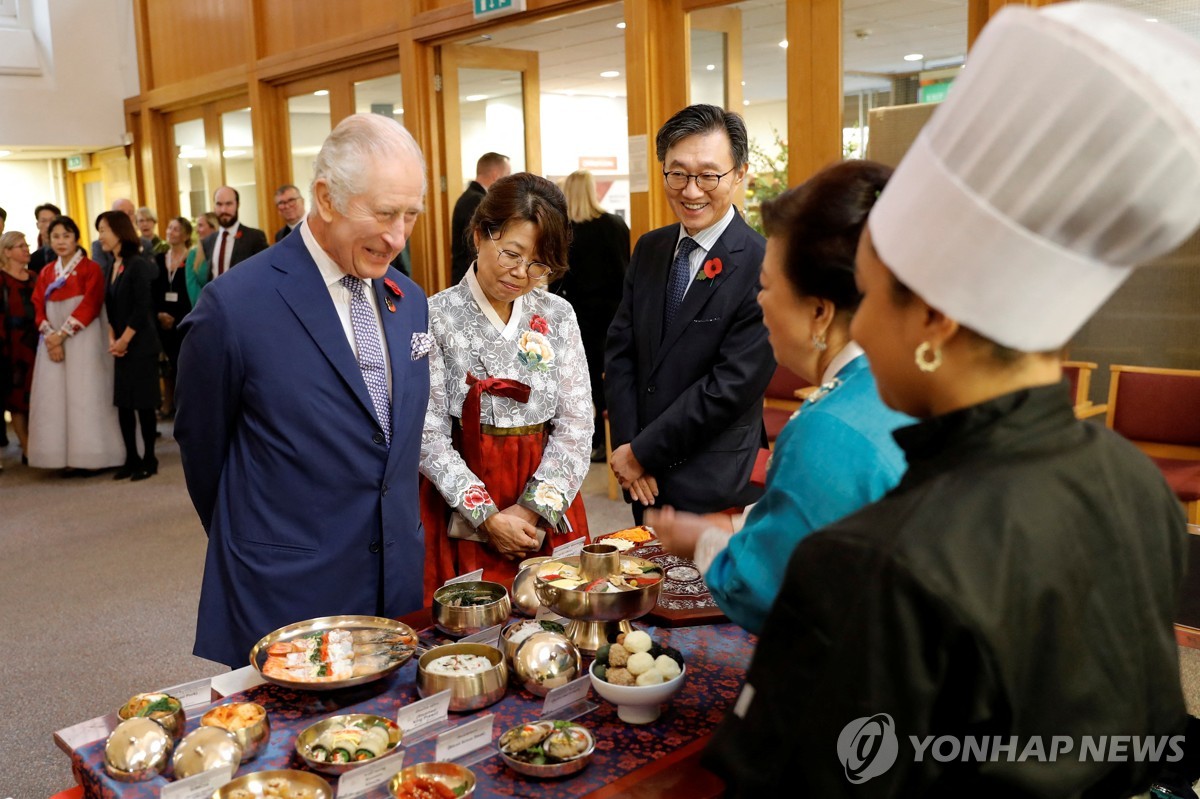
(422, 343)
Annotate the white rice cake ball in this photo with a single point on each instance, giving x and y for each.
(651, 677)
(638, 641)
(667, 666)
(639, 662)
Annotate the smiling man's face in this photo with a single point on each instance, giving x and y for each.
(699, 154)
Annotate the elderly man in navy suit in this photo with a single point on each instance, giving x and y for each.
(301, 395)
(687, 360)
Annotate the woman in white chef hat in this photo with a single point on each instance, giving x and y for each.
(1019, 585)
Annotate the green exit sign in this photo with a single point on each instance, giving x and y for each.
(486, 9)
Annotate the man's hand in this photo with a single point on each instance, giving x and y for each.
(166, 320)
(625, 465)
(679, 532)
(644, 489)
(510, 535)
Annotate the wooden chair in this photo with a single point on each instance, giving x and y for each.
(1159, 411)
(784, 394)
(1079, 375)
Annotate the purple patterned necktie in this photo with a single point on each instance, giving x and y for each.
(370, 353)
(681, 273)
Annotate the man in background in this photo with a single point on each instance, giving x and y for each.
(234, 242)
(291, 208)
(44, 214)
(488, 169)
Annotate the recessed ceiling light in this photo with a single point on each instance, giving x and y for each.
(914, 56)
(397, 111)
(1151, 19)
(783, 44)
(711, 67)
(320, 92)
(743, 83)
(621, 25)
(745, 102)
(474, 98)
(569, 92)
(610, 73)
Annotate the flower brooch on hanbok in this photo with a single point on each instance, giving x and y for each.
(533, 348)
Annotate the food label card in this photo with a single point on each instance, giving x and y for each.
(565, 696)
(200, 786)
(465, 738)
(490, 636)
(569, 549)
(469, 577)
(192, 694)
(546, 614)
(424, 713)
(237, 680)
(362, 779)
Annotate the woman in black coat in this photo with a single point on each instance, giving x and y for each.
(133, 341)
(171, 302)
(598, 258)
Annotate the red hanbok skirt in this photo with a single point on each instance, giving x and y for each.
(509, 462)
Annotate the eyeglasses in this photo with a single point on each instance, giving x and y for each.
(288, 201)
(510, 260)
(705, 181)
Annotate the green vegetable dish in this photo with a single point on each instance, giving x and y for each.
(546, 743)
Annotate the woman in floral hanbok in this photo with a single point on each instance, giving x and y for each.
(508, 431)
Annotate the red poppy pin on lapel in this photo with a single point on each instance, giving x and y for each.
(712, 268)
(238, 235)
(392, 287)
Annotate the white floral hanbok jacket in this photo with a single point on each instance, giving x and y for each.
(540, 347)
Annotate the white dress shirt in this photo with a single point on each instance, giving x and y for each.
(706, 239)
(231, 232)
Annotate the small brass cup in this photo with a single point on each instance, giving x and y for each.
(598, 561)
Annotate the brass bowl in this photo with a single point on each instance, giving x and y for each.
(173, 721)
(256, 784)
(204, 749)
(545, 661)
(524, 597)
(250, 737)
(574, 603)
(467, 691)
(139, 748)
(452, 775)
(469, 620)
(552, 770)
(509, 646)
(311, 734)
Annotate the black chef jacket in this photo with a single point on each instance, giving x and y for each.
(1020, 581)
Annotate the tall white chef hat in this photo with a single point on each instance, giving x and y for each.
(1067, 152)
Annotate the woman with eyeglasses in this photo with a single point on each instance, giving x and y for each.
(509, 426)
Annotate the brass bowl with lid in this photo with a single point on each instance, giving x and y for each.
(545, 661)
(172, 718)
(138, 749)
(204, 749)
(524, 595)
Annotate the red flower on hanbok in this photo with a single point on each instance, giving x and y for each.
(476, 495)
(539, 325)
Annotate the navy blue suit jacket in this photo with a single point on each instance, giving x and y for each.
(689, 398)
(308, 512)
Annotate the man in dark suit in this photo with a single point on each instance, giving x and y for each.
(301, 397)
(234, 242)
(687, 360)
(291, 207)
(44, 214)
(488, 169)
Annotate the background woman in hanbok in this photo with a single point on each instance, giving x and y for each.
(508, 431)
(19, 337)
(72, 421)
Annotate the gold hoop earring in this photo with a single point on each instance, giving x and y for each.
(925, 363)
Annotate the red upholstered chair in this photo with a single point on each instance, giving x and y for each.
(1079, 375)
(784, 394)
(1159, 411)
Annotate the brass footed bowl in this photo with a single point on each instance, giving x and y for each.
(575, 603)
(467, 691)
(470, 619)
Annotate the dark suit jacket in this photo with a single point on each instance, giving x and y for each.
(42, 256)
(689, 399)
(308, 511)
(283, 231)
(248, 241)
(460, 220)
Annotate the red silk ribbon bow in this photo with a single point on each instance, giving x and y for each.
(472, 436)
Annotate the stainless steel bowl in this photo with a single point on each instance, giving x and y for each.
(454, 620)
(524, 597)
(574, 603)
(257, 783)
(173, 721)
(467, 691)
(204, 749)
(545, 661)
(251, 737)
(551, 770)
(311, 734)
(452, 775)
(138, 749)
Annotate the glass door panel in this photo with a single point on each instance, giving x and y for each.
(382, 95)
(308, 125)
(237, 153)
(190, 154)
(491, 117)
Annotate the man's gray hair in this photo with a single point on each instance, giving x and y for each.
(346, 157)
(705, 119)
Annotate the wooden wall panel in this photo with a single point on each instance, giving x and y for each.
(814, 67)
(303, 23)
(191, 38)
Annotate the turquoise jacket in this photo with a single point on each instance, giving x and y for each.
(834, 456)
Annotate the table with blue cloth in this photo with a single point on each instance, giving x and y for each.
(655, 759)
